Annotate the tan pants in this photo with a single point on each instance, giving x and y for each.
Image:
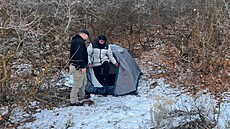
(78, 90)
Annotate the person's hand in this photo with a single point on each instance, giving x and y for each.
(83, 70)
(89, 65)
(116, 64)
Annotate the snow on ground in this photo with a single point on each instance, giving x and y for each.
(125, 112)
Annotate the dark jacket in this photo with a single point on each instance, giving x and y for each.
(78, 52)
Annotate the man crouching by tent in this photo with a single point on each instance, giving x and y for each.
(99, 56)
(78, 64)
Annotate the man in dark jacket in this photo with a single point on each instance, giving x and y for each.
(78, 64)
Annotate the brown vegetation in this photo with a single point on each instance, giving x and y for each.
(35, 36)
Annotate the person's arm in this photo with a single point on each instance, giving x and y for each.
(90, 52)
(111, 58)
(84, 58)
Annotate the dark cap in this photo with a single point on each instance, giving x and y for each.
(85, 31)
(102, 37)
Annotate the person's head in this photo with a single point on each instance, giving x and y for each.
(102, 39)
(84, 34)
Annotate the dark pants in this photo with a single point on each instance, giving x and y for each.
(97, 72)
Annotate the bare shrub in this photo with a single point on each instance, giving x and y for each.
(197, 47)
(164, 115)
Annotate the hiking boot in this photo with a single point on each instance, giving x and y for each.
(76, 104)
(87, 96)
(87, 102)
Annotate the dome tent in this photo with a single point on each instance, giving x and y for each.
(122, 79)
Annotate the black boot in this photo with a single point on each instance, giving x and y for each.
(87, 95)
(76, 104)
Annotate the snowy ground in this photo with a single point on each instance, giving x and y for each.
(141, 111)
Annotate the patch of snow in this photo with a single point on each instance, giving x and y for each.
(126, 112)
